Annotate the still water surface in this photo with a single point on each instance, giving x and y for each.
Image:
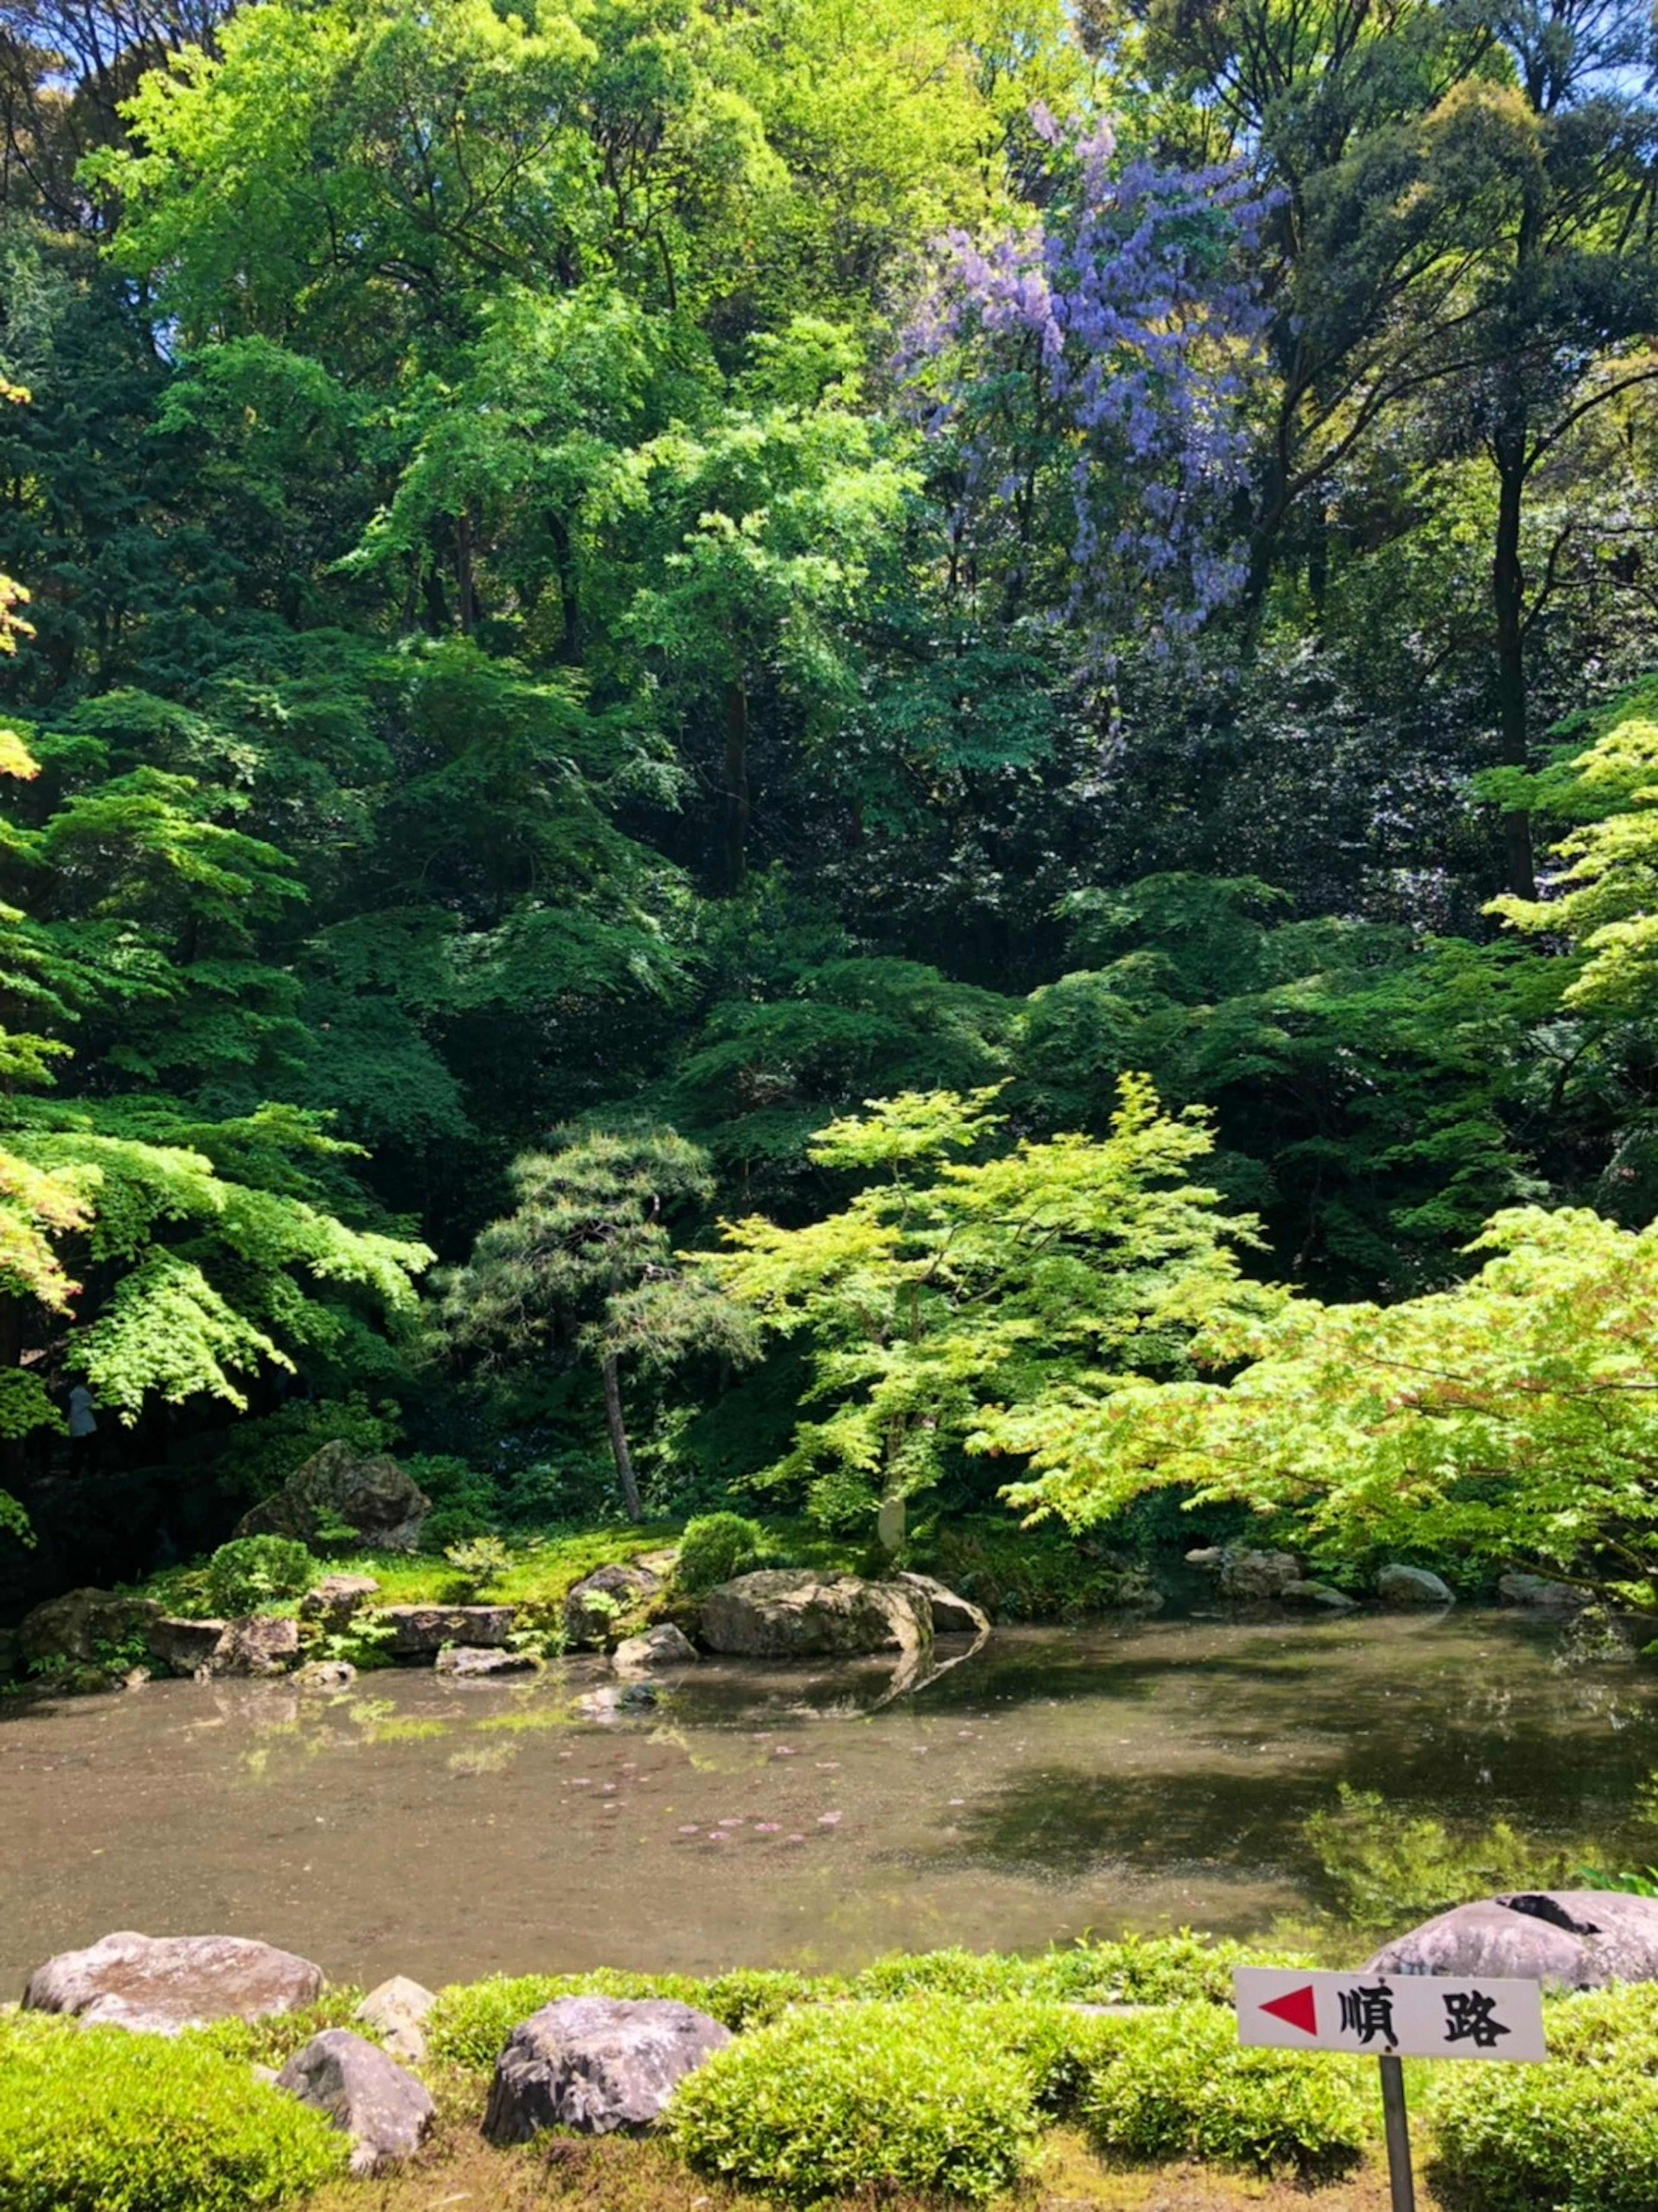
(1140, 1775)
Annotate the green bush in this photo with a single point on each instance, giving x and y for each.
(837, 2098)
(1134, 1970)
(471, 2022)
(1178, 2084)
(753, 1997)
(98, 2120)
(273, 2041)
(715, 1547)
(251, 1572)
(1579, 2135)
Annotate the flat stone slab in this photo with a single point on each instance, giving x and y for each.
(470, 1662)
(597, 2064)
(158, 1984)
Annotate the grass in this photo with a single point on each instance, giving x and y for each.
(615, 2173)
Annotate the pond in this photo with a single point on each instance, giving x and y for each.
(1143, 1775)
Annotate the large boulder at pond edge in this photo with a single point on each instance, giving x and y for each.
(420, 1631)
(951, 1615)
(386, 2113)
(368, 1492)
(159, 1984)
(86, 1625)
(792, 1613)
(1570, 1939)
(184, 1647)
(663, 1646)
(1412, 1589)
(596, 2063)
(602, 1604)
(261, 1644)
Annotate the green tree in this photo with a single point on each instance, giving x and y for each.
(950, 1284)
(1511, 1422)
(585, 1264)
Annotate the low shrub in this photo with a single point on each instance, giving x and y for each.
(1135, 1969)
(753, 1997)
(251, 1572)
(838, 2098)
(1177, 2084)
(469, 2024)
(1579, 2135)
(715, 1547)
(98, 2120)
(273, 2041)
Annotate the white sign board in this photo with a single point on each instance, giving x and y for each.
(1388, 2015)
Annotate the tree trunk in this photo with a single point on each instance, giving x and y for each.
(736, 808)
(1508, 598)
(625, 1461)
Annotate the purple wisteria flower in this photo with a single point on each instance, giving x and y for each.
(1105, 351)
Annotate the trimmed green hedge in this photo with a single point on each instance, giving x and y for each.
(100, 2120)
(1178, 2084)
(837, 2098)
(1577, 2134)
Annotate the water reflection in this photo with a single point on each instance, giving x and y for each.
(1149, 1775)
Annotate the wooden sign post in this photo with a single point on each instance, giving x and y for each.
(1390, 2017)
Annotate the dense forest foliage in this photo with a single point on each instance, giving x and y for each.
(1002, 646)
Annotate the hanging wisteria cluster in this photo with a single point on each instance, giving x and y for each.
(1118, 334)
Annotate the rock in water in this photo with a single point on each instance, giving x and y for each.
(1539, 1592)
(1258, 1574)
(366, 1492)
(470, 1662)
(420, 1631)
(160, 1984)
(602, 1603)
(1412, 1586)
(386, 2113)
(596, 2063)
(83, 1625)
(183, 1646)
(951, 1615)
(1570, 1939)
(791, 1613)
(257, 1645)
(397, 2010)
(661, 1646)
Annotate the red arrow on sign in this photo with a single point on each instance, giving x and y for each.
(1298, 2006)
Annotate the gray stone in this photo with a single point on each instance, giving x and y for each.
(158, 1984)
(951, 1615)
(597, 2064)
(325, 1675)
(85, 1625)
(257, 1645)
(420, 1631)
(366, 2094)
(1258, 1574)
(1322, 1596)
(617, 1700)
(366, 1492)
(1208, 1556)
(1412, 1586)
(1543, 1595)
(337, 1600)
(664, 1645)
(469, 1662)
(1572, 1939)
(603, 1604)
(184, 1646)
(792, 1613)
(397, 2010)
